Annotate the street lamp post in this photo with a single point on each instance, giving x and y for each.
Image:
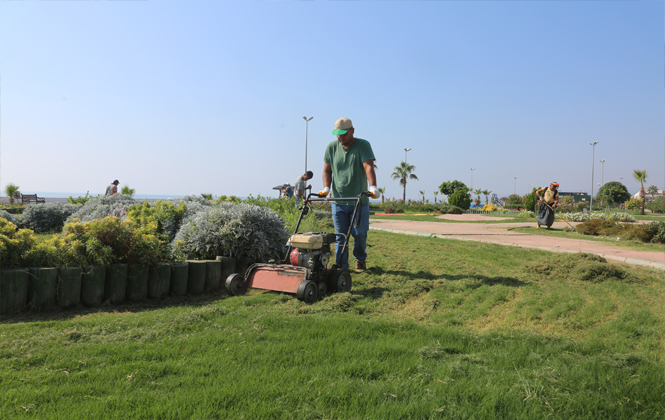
(602, 176)
(515, 187)
(472, 169)
(406, 150)
(307, 120)
(593, 160)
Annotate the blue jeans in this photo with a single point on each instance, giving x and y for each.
(342, 219)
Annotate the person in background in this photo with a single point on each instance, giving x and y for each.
(287, 190)
(113, 188)
(548, 198)
(348, 166)
(301, 188)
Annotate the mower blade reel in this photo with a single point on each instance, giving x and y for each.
(277, 278)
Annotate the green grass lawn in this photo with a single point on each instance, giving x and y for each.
(433, 329)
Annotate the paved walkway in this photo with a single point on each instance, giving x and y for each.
(500, 233)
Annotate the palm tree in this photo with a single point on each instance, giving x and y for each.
(477, 192)
(487, 193)
(11, 190)
(640, 176)
(653, 190)
(435, 194)
(423, 194)
(382, 191)
(402, 172)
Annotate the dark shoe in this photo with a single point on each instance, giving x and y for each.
(360, 266)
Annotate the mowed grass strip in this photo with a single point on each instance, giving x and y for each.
(434, 329)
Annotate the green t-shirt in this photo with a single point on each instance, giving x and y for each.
(348, 173)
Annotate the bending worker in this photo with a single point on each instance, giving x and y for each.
(548, 197)
(348, 166)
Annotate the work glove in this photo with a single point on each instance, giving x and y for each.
(374, 191)
(325, 192)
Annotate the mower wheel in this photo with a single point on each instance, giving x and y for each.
(340, 281)
(235, 285)
(323, 289)
(308, 292)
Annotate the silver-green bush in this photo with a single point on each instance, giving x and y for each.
(8, 216)
(101, 207)
(582, 217)
(253, 233)
(49, 217)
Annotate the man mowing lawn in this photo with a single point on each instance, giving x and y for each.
(348, 165)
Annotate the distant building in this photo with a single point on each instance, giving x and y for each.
(648, 196)
(577, 196)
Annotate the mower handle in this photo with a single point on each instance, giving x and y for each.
(322, 198)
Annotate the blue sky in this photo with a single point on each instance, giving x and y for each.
(190, 97)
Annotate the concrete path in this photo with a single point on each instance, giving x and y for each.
(501, 233)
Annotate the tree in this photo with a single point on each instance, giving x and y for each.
(641, 177)
(449, 187)
(460, 198)
(435, 194)
(11, 189)
(477, 192)
(487, 193)
(382, 191)
(422, 192)
(403, 172)
(653, 190)
(613, 192)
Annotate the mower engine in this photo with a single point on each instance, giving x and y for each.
(311, 250)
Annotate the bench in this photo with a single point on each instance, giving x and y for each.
(32, 198)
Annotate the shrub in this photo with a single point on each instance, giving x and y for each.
(250, 232)
(633, 204)
(14, 244)
(287, 210)
(49, 217)
(80, 200)
(594, 226)
(394, 206)
(162, 218)
(100, 207)
(657, 206)
(100, 242)
(460, 199)
(530, 201)
(8, 216)
(455, 210)
(582, 217)
(657, 232)
(526, 214)
(489, 207)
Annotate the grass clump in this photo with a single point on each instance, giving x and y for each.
(652, 232)
(578, 267)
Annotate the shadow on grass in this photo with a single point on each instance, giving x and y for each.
(57, 313)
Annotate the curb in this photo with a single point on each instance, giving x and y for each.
(633, 261)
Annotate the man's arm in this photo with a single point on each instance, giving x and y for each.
(540, 191)
(369, 170)
(371, 177)
(327, 175)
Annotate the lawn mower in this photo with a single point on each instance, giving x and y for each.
(304, 270)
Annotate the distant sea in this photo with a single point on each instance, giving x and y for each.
(76, 195)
